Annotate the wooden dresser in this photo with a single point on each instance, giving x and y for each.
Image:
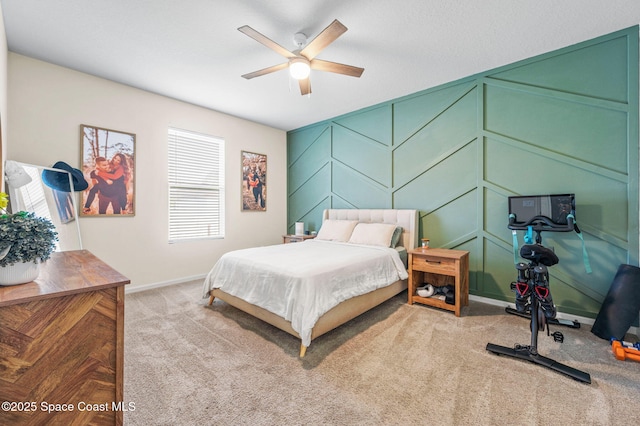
(62, 344)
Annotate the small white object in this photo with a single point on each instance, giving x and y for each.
(15, 174)
(426, 291)
(299, 228)
(299, 40)
(19, 273)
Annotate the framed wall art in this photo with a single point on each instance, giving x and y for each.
(254, 182)
(108, 165)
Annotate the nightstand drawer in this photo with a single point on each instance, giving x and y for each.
(434, 264)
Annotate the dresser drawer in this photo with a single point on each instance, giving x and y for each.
(434, 264)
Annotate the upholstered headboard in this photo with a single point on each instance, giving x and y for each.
(406, 218)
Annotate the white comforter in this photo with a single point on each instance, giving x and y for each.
(302, 281)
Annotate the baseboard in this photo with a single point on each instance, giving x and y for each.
(145, 287)
(488, 301)
(560, 315)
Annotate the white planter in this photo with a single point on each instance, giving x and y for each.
(19, 273)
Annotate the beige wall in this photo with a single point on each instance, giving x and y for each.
(46, 106)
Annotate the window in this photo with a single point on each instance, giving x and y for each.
(30, 197)
(196, 186)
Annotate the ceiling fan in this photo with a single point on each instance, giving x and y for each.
(302, 60)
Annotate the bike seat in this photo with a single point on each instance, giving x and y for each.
(539, 254)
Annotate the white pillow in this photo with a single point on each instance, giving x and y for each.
(373, 234)
(336, 230)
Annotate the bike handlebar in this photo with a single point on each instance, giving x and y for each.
(542, 223)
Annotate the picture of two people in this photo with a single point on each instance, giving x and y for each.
(108, 167)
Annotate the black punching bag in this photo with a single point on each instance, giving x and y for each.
(621, 306)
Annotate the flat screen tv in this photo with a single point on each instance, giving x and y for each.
(545, 212)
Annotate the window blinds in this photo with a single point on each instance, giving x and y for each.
(196, 186)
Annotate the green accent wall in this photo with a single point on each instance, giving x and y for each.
(562, 122)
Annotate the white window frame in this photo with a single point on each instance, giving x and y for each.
(196, 189)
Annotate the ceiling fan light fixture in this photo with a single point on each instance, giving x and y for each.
(299, 61)
(299, 68)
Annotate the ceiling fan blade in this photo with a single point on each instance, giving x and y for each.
(305, 86)
(266, 41)
(322, 40)
(320, 65)
(266, 71)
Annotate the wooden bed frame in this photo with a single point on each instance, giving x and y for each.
(351, 308)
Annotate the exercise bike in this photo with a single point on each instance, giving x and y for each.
(533, 295)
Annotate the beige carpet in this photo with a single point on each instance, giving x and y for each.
(188, 364)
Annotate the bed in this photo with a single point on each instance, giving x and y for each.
(309, 288)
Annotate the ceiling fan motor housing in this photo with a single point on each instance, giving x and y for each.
(299, 40)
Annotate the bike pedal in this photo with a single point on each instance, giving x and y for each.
(557, 336)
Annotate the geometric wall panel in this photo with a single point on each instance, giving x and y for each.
(360, 191)
(588, 132)
(374, 123)
(440, 184)
(411, 114)
(602, 201)
(312, 219)
(308, 196)
(348, 147)
(496, 278)
(496, 216)
(454, 126)
(309, 162)
(599, 72)
(452, 221)
(565, 121)
(339, 203)
(300, 141)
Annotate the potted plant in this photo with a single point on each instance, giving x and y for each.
(26, 240)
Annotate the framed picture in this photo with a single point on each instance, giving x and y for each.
(254, 181)
(108, 165)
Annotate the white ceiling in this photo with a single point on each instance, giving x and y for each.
(191, 50)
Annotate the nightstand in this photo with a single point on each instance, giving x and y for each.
(286, 239)
(439, 267)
